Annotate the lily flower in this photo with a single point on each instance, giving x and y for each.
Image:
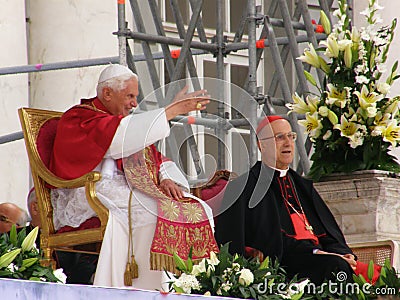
(355, 35)
(383, 87)
(348, 56)
(367, 98)
(346, 128)
(312, 124)
(332, 47)
(391, 133)
(299, 105)
(393, 107)
(325, 22)
(336, 96)
(30, 239)
(310, 57)
(342, 44)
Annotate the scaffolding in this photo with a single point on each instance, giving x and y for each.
(298, 28)
(220, 47)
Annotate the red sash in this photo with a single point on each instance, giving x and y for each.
(181, 225)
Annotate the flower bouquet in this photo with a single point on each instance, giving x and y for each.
(235, 276)
(351, 121)
(20, 259)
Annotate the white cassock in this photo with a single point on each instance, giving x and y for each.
(134, 133)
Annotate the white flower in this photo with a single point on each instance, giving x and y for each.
(226, 286)
(213, 259)
(246, 277)
(383, 87)
(59, 274)
(199, 268)
(187, 282)
(312, 124)
(12, 268)
(371, 111)
(235, 267)
(361, 79)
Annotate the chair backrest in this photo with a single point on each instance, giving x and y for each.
(39, 128)
(377, 251)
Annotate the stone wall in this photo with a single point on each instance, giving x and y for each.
(366, 205)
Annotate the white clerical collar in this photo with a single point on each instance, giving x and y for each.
(282, 173)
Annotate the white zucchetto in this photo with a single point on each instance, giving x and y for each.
(113, 71)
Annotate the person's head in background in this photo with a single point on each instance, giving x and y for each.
(12, 214)
(33, 208)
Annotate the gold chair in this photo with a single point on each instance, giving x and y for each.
(39, 128)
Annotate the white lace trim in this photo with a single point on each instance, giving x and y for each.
(71, 207)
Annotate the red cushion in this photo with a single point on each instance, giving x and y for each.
(215, 191)
(93, 222)
(213, 195)
(45, 140)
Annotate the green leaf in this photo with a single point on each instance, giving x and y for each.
(297, 296)
(370, 270)
(8, 257)
(264, 264)
(178, 289)
(13, 235)
(180, 264)
(30, 239)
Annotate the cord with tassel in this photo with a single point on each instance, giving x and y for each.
(132, 268)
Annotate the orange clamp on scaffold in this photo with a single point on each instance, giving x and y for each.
(319, 29)
(260, 44)
(191, 120)
(175, 53)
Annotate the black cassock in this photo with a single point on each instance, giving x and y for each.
(259, 218)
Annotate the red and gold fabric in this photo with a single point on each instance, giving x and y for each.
(181, 225)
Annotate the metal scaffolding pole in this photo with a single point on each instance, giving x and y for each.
(121, 38)
(220, 47)
(285, 89)
(193, 74)
(220, 75)
(252, 78)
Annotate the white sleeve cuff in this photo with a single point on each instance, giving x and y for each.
(169, 170)
(136, 132)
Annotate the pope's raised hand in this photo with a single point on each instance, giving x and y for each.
(185, 102)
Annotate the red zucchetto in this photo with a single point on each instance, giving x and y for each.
(266, 121)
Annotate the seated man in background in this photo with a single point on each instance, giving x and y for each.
(278, 212)
(96, 135)
(78, 267)
(12, 214)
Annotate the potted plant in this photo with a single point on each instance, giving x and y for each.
(20, 259)
(351, 120)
